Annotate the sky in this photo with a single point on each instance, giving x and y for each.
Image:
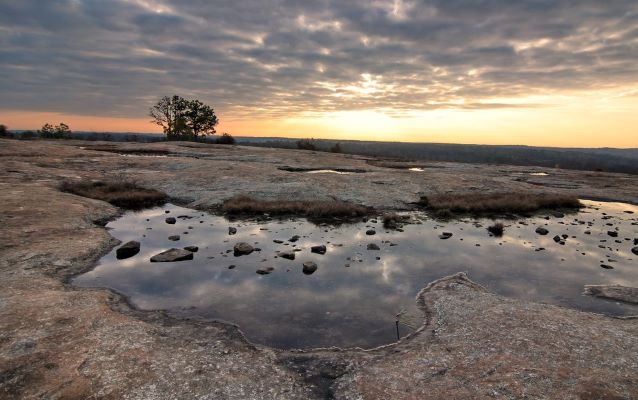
(535, 72)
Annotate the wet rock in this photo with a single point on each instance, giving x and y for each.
(172, 255)
(614, 292)
(557, 239)
(174, 238)
(612, 233)
(128, 249)
(373, 246)
(242, 249)
(232, 266)
(542, 231)
(192, 249)
(371, 232)
(321, 249)
(278, 241)
(605, 266)
(635, 250)
(309, 267)
(170, 220)
(265, 271)
(445, 235)
(289, 255)
(232, 230)
(294, 238)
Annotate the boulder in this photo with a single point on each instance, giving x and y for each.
(309, 267)
(172, 255)
(170, 220)
(288, 255)
(128, 249)
(542, 231)
(321, 249)
(242, 249)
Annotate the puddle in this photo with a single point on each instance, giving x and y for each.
(143, 155)
(416, 169)
(539, 174)
(356, 305)
(327, 171)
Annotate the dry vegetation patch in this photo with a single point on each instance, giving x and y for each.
(124, 194)
(477, 203)
(246, 205)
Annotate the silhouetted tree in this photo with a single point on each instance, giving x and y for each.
(60, 131)
(183, 119)
(225, 138)
(4, 132)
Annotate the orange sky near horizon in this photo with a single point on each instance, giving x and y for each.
(597, 119)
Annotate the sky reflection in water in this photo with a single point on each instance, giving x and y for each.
(356, 305)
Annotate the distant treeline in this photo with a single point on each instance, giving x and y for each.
(605, 159)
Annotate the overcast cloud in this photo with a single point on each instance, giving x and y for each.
(281, 57)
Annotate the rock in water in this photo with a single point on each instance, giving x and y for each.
(318, 249)
(174, 238)
(170, 220)
(172, 255)
(309, 267)
(232, 231)
(289, 255)
(192, 249)
(542, 231)
(265, 271)
(373, 246)
(371, 232)
(294, 238)
(445, 235)
(242, 249)
(635, 250)
(128, 249)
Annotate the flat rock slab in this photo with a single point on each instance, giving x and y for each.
(173, 255)
(614, 292)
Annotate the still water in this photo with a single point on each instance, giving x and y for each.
(355, 294)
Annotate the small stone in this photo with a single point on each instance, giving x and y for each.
(174, 238)
(309, 267)
(232, 266)
(635, 250)
(294, 238)
(445, 235)
(605, 266)
(542, 231)
(278, 241)
(172, 255)
(128, 249)
(289, 255)
(612, 233)
(265, 271)
(170, 220)
(557, 239)
(371, 232)
(321, 249)
(373, 246)
(242, 249)
(193, 249)
(232, 230)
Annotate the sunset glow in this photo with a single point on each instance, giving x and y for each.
(496, 73)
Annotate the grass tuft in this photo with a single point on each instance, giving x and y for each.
(122, 194)
(246, 205)
(475, 203)
(497, 229)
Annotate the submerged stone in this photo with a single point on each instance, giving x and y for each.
(242, 249)
(172, 255)
(318, 249)
(309, 267)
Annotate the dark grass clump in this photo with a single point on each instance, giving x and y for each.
(249, 206)
(497, 229)
(393, 220)
(515, 203)
(124, 194)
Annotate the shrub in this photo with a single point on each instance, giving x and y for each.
(497, 229)
(122, 194)
(392, 220)
(305, 144)
(498, 202)
(60, 131)
(246, 205)
(4, 132)
(225, 138)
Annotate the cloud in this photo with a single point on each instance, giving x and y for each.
(284, 57)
